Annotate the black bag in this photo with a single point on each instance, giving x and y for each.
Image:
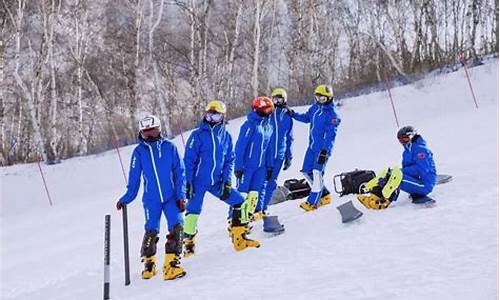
(350, 182)
(298, 188)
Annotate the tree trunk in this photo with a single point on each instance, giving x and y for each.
(255, 69)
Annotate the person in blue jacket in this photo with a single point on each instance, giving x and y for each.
(209, 160)
(417, 176)
(323, 120)
(280, 148)
(156, 159)
(251, 164)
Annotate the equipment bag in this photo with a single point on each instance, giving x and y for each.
(298, 188)
(350, 182)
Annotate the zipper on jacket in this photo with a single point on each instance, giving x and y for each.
(312, 126)
(261, 147)
(155, 170)
(277, 133)
(251, 150)
(213, 156)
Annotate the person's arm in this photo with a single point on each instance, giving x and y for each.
(289, 141)
(305, 117)
(134, 178)
(330, 133)
(244, 138)
(424, 162)
(179, 174)
(227, 168)
(191, 156)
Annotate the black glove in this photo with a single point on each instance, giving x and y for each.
(322, 157)
(287, 164)
(290, 111)
(189, 191)
(119, 205)
(181, 204)
(269, 174)
(226, 191)
(238, 174)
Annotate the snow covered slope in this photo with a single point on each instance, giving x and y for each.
(404, 252)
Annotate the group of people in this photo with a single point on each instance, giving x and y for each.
(176, 187)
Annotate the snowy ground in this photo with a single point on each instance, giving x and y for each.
(404, 252)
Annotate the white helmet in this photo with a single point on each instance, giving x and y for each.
(149, 122)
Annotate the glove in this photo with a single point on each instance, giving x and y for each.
(181, 204)
(287, 164)
(119, 205)
(269, 174)
(189, 191)
(226, 191)
(290, 112)
(238, 174)
(322, 157)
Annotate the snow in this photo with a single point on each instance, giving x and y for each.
(404, 252)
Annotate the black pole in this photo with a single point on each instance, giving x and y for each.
(107, 243)
(125, 246)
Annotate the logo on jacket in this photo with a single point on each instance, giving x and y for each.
(421, 155)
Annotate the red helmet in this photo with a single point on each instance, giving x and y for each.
(263, 106)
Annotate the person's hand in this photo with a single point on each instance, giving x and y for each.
(226, 191)
(119, 205)
(290, 111)
(269, 174)
(322, 157)
(287, 164)
(181, 204)
(238, 174)
(189, 191)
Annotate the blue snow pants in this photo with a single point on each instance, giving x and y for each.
(153, 211)
(195, 204)
(252, 180)
(266, 193)
(310, 164)
(415, 186)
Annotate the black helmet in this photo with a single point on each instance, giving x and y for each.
(406, 133)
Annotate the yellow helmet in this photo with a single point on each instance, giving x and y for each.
(324, 90)
(279, 97)
(217, 106)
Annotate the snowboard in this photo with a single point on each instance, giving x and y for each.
(348, 212)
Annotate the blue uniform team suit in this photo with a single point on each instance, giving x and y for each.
(280, 148)
(251, 146)
(164, 180)
(209, 160)
(419, 170)
(323, 121)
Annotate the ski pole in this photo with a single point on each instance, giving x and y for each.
(107, 246)
(43, 178)
(125, 245)
(115, 142)
(386, 77)
(462, 61)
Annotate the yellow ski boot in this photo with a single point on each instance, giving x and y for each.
(326, 198)
(189, 245)
(171, 268)
(240, 240)
(149, 267)
(257, 216)
(307, 206)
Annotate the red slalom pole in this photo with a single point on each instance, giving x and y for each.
(115, 142)
(462, 61)
(43, 178)
(388, 86)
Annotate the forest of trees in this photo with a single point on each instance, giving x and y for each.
(76, 75)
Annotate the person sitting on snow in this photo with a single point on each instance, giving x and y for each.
(209, 160)
(417, 176)
(322, 132)
(157, 160)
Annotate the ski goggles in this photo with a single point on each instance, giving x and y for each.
(321, 98)
(405, 139)
(214, 117)
(150, 133)
(278, 100)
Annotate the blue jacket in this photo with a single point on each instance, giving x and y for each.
(323, 129)
(253, 141)
(161, 168)
(418, 161)
(209, 156)
(280, 146)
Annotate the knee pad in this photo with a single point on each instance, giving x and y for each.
(174, 240)
(149, 243)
